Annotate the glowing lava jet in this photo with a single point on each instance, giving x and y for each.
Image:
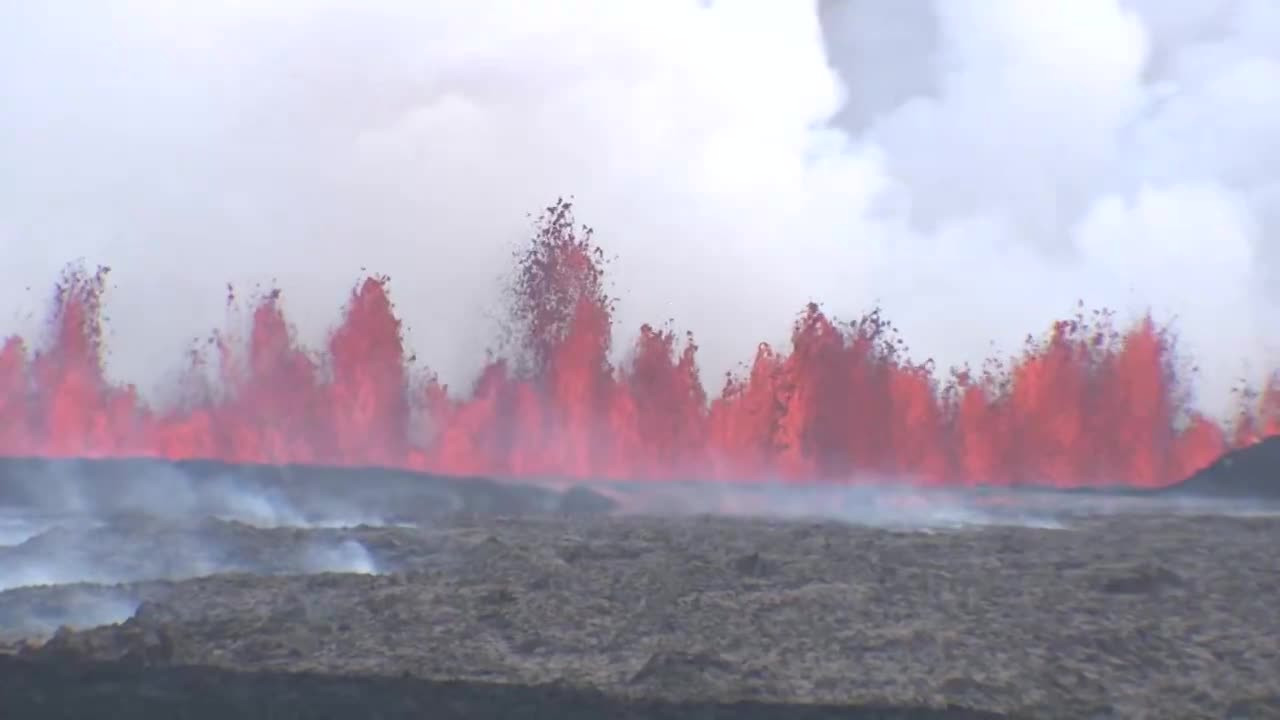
(1089, 404)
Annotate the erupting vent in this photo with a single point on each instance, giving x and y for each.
(1088, 404)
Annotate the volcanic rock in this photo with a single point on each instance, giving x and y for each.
(641, 617)
(1248, 472)
(208, 487)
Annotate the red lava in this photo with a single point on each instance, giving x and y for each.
(1087, 404)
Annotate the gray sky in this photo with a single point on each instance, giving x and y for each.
(974, 165)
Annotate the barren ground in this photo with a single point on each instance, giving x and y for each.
(1133, 616)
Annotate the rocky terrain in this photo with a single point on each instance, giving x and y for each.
(142, 589)
(1249, 472)
(1155, 615)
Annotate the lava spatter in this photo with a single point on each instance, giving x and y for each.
(1088, 404)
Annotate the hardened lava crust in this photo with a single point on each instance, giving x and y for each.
(1159, 617)
(547, 610)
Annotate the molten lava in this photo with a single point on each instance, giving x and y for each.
(1087, 405)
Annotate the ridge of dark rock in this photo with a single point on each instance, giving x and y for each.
(103, 482)
(1248, 472)
(86, 690)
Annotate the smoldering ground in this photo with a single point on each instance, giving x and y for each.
(1147, 615)
(107, 522)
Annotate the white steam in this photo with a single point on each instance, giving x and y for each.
(158, 523)
(974, 165)
(157, 490)
(347, 556)
(888, 505)
(33, 612)
(70, 554)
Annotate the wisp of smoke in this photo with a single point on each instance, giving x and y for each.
(164, 491)
(916, 509)
(876, 506)
(29, 612)
(974, 165)
(347, 556)
(161, 524)
(18, 525)
(135, 553)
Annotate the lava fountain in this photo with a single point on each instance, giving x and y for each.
(1089, 403)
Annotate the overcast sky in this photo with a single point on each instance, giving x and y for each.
(976, 166)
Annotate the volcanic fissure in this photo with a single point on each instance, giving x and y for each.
(1090, 403)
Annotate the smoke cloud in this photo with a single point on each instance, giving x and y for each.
(975, 166)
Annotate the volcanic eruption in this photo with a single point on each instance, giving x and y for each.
(1090, 403)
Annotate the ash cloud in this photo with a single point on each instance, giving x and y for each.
(976, 166)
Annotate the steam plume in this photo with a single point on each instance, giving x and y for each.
(975, 165)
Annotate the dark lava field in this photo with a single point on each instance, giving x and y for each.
(159, 590)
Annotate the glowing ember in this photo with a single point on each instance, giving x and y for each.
(1090, 404)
